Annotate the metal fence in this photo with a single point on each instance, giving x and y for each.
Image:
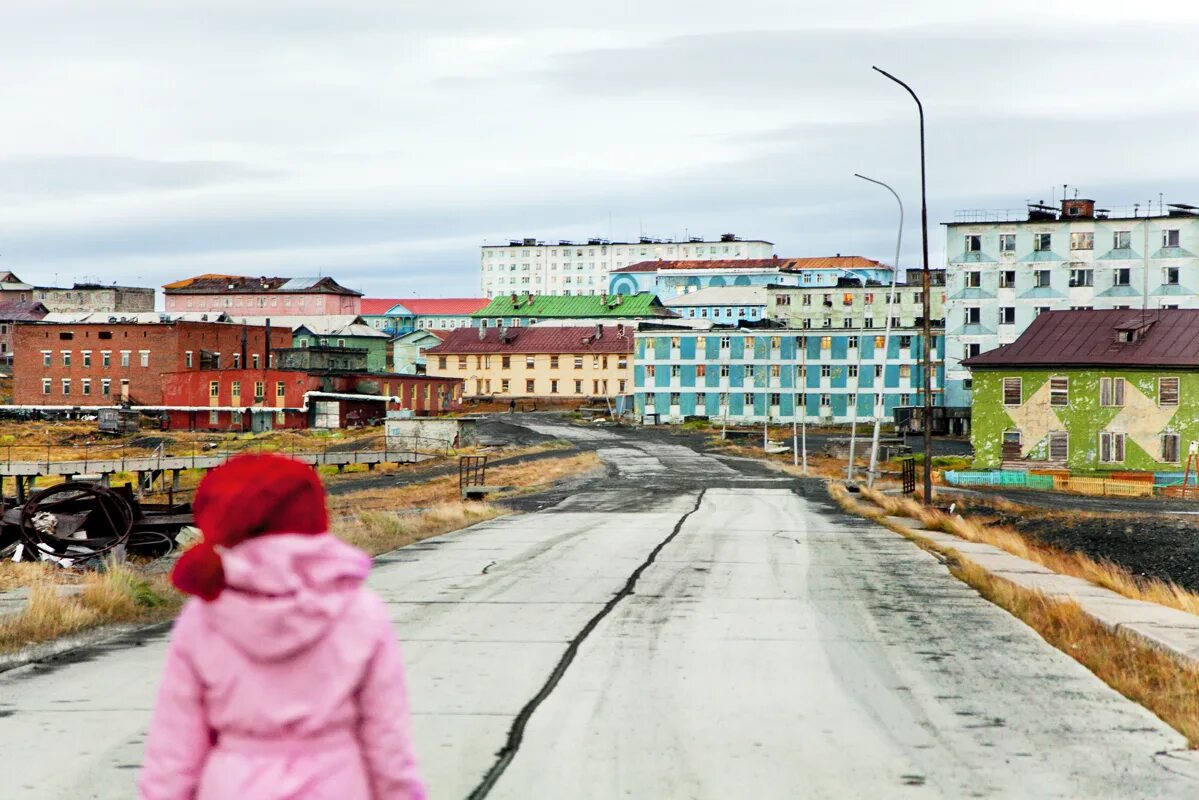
(1100, 487)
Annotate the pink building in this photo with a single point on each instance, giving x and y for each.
(240, 296)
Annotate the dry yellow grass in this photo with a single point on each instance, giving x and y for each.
(1148, 675)
(382, 531)
(117, 595)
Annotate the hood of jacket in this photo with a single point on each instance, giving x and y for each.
(284, 591)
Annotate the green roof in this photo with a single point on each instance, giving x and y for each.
(644, 304)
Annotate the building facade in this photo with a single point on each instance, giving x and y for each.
(1005, 269)
(542, 362)
(577, 268)
(10, 314)
(14, 290)
(85, 297)
(852, 306)
(356, 336)
(241, 296)
(100, 364)
(523, 310)
(668, 279)
(725, 305)
(433, 314)
(256, 400)
(408, 351)
(755, 375)
(1090, 391)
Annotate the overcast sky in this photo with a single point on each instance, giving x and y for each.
(383, 142)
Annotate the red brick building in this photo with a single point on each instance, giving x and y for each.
(99, 364)
(240, 296)
(260, 399)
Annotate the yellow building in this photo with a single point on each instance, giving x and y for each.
(543, 361)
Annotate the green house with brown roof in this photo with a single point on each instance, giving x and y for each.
(1090, 391)
(523, 310)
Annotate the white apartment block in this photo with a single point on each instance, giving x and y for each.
(578, 268)
(1005, 268)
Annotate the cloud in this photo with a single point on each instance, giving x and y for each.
(67, 175)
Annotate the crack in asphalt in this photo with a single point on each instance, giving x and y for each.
(517, 732)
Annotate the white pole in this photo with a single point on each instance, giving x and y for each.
(804, 418)
(794, 440)
(879, 403)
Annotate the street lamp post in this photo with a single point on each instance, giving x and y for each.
(926, 333)
(880, 404)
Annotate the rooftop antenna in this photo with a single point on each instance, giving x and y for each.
(1161, 203)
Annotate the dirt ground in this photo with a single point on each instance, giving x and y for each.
(1151, 545)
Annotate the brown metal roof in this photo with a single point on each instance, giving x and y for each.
(1089, 339)
(539, 339)
(785, 264)
(241, 284)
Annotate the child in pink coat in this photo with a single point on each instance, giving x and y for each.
(283, 679)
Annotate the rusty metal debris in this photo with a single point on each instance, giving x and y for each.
(83, 524)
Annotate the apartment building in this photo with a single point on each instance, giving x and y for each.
(432, 314)
(241, 296)
(725, 305)
(668, 279)
(99, 364)
(760, 374)
(543, 361)
(582, 268)
(85, 297)
(1007, 267)
(852, 306)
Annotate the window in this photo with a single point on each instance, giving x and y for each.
(1007, 315)
(621, 382)
(826, 342)
(578, 362)
(553, 386)
(1059, 446)
(826, 399)
(1111, 392)
(1012, 391)
(236, 361)
(1007, 242)
(461, 362)
(1007, 279)
(973, 316)
(257, 362)
(259, 390)
(66, 358)
(505, 385)
(1167, 391)
(105, 387)
(974, 280)
(776, 370)
(1082, 277)
(675, 370)
(214, 389)
(905, 370)
(1121, 276)
(529, 384)
(749, 371)
(46, 357)
(701, 370)
(66, 386)
(145, 357)
(1082, 241)
(85, 386)
(973, 349)
(578, 387)
(1122, 240)
(650, 371)
(280, 389)
(1170, 443)
(46, 385)
(853, 370)
(807, 298)
(1059, 391)
(782, 300)
(1170, 276)
(1170, 238)
(553, 362)
(187, 359)
(826, 371)
(236, 389)
(87, 357)
(214, 417)
(530, 362)
(974, 243)
(724, 370)
(880, 342)
(1042, 242)
(622, 362)
(505, 362)
(1111, 447)
(852, 343)
(441, 362)
(1041, 279)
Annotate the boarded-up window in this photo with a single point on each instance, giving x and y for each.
(1167, 394)
(1170, 448)
(1111, 392)
(1059, 445)
(1012, 391)
(1059, 391)
(1111, 447)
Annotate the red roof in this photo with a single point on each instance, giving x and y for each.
(377, 305)
(785, 264)
(432, 306)
(1161, 338)
(539, 339)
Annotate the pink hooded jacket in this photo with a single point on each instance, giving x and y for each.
(288, 686)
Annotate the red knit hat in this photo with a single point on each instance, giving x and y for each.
(248, 496)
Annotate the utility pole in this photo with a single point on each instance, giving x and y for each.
(926, 333)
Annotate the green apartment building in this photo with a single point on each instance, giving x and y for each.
(355, 335)
(852, 306)
(1092, 391)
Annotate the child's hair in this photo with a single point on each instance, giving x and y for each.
(248, 496)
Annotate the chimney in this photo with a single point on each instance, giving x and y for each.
(620, 330)
(603, 298)
(599, 331)
(515, 300)
(266, 356)
(482, 333)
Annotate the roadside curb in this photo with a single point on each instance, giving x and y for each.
(1165, 628)
(66, 646)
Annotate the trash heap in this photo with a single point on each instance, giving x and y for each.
(83, 525)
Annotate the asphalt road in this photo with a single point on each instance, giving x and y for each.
(687, 627)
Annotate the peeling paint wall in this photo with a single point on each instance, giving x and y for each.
(1141, 419)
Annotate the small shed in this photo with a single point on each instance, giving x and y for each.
(119, 420)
